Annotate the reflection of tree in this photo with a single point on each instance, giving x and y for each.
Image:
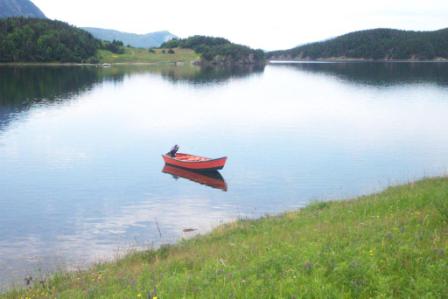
(204, 75)
(23, 86)
(6, 114)
(377, 73)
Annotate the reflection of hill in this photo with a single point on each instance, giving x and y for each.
(23, 86)
(198, 76)
(20, 87)
(372, 73)
(6, 114)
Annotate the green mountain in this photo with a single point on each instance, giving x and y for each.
(149, 40)
(374, 44)
(19, 8)
(218, 51)
(42, 40)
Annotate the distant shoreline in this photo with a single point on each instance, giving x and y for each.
(90, 64)
(182, 63)
(335, 60)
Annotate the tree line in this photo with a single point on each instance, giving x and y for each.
(375, 44)
(216, 50)
(41, 40)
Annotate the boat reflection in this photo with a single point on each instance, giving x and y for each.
(210, 178)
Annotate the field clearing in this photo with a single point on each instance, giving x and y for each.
(139, 55)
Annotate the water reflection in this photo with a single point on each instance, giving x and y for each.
(209, 178)
(379, 73)
(213, 75)
(81, 167)
(95, 238)
(21, 87)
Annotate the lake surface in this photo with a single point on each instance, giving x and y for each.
(81, 176)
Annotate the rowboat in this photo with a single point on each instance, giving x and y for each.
(209, 178)
(194, 162)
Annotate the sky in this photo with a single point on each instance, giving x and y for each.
(269, 25)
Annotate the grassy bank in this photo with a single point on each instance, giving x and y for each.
(391, 244)
(138, 55)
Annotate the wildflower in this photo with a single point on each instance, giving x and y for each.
(371, 252)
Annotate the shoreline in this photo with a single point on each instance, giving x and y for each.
(344, 60)
(396, 233)
(105, 64)
(182, 63)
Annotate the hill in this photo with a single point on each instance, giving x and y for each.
(23, 8)
(149, 40)
(42, 40)
(218, 51)
(374, 44)
(30, 40)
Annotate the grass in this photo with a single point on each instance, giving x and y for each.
(139, 55)
(391, 244)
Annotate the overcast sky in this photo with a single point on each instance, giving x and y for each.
(263, 24)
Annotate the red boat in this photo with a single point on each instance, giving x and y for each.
(194, 162)
(210, 178)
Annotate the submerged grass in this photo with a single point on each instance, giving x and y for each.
(391, 244)
(140, 55)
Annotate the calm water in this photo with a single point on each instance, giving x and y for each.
(81, 173)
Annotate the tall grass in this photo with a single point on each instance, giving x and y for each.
(388, 245)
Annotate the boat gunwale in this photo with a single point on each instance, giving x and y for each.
(185, 161)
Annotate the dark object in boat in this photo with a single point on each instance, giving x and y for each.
(173, 151)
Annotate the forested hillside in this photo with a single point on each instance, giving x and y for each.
(42, 40)
(375, 44)
(218, 51)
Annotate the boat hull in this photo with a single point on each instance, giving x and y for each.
(195, 162)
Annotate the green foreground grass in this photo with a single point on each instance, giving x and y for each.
(139, 55)
(391, 244)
